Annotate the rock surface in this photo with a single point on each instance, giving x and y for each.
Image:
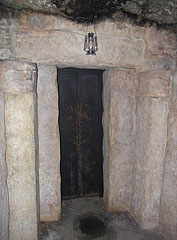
(161, 11)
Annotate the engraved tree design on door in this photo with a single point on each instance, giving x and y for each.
(78, 126)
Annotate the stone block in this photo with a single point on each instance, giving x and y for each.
(49, 178)
(20, 160)
(148, 170)
(47, 91)
(4, 208)
(168, 207)
(161, 42)
(66, 47)
(154, 84)
(49, 210)
(158, 63)
(49, 144)
(17, 77)
(120, 135)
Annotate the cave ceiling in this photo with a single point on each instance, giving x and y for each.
(159, 11)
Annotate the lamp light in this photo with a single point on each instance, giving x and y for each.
(90, 43)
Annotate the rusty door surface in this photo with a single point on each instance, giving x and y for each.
(80, 123)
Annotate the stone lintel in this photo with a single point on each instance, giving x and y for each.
(51, 47)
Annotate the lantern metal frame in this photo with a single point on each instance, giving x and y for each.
(90, 43)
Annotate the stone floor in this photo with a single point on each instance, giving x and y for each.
(84, 219)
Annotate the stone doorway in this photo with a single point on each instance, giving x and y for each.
(117, 168)
(131, 153)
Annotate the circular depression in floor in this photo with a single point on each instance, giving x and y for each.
(92, 226)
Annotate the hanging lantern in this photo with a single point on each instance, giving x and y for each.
(91, 44)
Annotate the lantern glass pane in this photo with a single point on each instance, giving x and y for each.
(90, 43)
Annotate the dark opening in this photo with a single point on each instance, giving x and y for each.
(81, 132)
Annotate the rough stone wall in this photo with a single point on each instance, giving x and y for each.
(163, 12)
(49, 143)
(18, 87)
(119, 102)
(48, 39)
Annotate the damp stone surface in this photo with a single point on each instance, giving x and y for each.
(87, 218)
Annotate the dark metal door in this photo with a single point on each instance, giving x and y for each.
(80, 122)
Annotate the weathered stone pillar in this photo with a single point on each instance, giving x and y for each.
(118, 123)
(150, 145)
(49, 144)
(18, 90)
(168, 207)
(4, 210)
